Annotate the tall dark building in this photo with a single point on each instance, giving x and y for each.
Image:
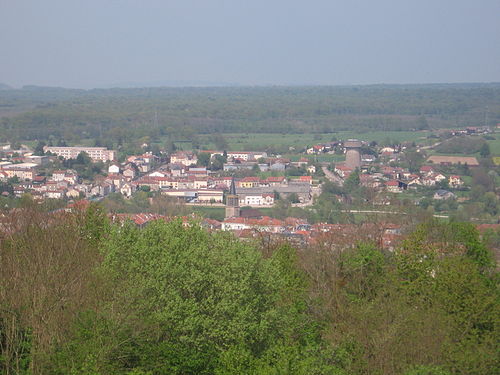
(353, 153)
(232, 202)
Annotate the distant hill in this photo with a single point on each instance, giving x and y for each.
(124, 114)
(4, 86)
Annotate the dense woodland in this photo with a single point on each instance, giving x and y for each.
(80, 295)
(117, 116)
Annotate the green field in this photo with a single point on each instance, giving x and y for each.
(495, 145)
(216, 213)
(262, 141)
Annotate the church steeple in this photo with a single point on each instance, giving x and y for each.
(232, 202)
(232, 189)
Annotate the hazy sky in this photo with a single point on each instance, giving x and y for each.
(94, 43)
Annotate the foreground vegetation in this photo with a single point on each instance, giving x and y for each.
(79, 295)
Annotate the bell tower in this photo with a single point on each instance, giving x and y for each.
(232, 202)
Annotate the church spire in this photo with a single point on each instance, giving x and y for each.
(232, 189)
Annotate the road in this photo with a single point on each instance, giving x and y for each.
(332, 176)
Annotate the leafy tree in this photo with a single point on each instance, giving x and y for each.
(422, 123)
(293, 198)
(220, 142)
(484, 151)
(204, 159)
(83, 158)
(39, 148)
(353, 181)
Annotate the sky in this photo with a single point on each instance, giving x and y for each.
(106, 43)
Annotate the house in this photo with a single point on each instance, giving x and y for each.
(184, 157)
(72, 193)
(274, 181)
(158, 174)
(197, 171)
(342, 170)
(395, 186)
(264, 224)
(265, 199)
(426, 170)
(95, 153)
(455, 181)
(246, 155)
(414, 180)
(302, 162)
(55, 194)
(438, 177)
(234, 166)
(70, 177)
(386, 151)
(102, 189)
(177, 169)
(311, 169)
(58, 175)
(249, 182)
(201, 182)
(210, 196)
(127, 189)
(428, 181)
(21, 173)
(224, 182)
(277, 166)
(368, 158)
(306, 179)
(317, 149)
(130, 171)
(114, 168)
(443, 194)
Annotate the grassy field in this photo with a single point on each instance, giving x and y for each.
(262, 141)
(216, 213)
(495, 145)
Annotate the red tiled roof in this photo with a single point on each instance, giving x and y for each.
(392, 183)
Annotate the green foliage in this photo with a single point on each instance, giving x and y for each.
(427, 370)
(39, 148)
(194, 297)
(353, 181)
(124, 115)
(484, 151)
(203, 159)
(172, 298)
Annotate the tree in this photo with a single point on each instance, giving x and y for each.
(484, 151)
(220, 142)
(204, 159)
(422, 123)
(39, 148)
(414, 160)
(293, 198)
(218, 162)
(197, 299)
(83, 158)
(353, 181)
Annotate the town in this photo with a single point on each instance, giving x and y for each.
(249, 187)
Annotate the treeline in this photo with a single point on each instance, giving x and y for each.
(121, 115)
(79, 295)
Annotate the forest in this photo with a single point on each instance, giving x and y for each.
(80, 294)
(117, 116)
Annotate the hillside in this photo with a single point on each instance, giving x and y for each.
(41, 112)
